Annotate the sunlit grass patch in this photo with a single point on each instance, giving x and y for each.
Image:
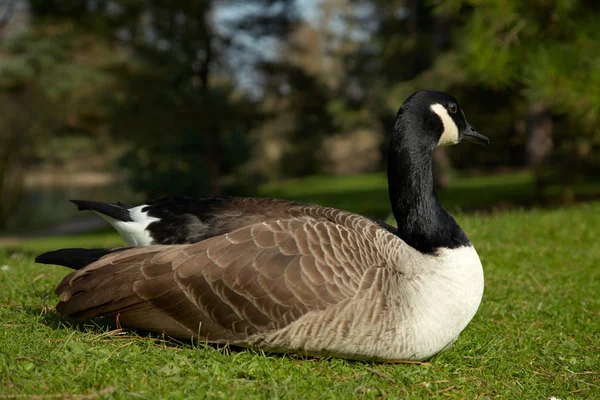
(535, 336)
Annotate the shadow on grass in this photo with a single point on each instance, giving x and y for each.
(103, 328)
(51, 318)
(107, 329)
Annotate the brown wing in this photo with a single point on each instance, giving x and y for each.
(185, 220)
(255, 279)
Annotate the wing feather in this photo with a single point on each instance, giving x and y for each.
(255, 279)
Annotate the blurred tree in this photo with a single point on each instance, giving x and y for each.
(317, 92)
(300, 97)
(26, 117)
(180, 85)
(7, 10)
(379, 44)
(160, 75)
(51, 81)
(544, 52)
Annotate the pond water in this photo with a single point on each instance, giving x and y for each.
(46, 206)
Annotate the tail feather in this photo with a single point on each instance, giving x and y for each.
(74, 258)
(118, 211)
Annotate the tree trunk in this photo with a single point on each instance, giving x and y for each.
(11, 178)
(213, 155)
(538, 142)
(442, 167)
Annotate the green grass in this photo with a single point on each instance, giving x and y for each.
(368, 194)
(536, 334)
(101, 238)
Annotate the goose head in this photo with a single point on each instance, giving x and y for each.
(427, 119)
(431, 119)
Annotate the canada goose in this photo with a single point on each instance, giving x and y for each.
(294, 277)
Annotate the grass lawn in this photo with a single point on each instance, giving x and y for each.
(367, 194)
(536, 335)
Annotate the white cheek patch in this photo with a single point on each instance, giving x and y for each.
(450, 133)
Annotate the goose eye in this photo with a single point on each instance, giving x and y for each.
(452, 108)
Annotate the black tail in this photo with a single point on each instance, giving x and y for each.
(74, 258)
(118, 211)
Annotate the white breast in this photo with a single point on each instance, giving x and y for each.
(408, 313)
(443, 298)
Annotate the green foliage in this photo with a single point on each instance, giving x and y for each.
(15, 74)
(546, 47)
(177, 138)
(191, 92)
(61, 59)
(153, 73)
(567, 76)
(540, 53)
(535, 335)
(27, 116)
(488, 57)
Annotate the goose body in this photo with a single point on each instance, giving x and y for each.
(285, 276)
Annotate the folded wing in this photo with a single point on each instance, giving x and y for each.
(256, 279)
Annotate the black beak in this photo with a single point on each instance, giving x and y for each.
(471, 135)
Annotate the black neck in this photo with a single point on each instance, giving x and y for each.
(423, 222)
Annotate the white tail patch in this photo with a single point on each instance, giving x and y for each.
(133, 232)
(450, 133)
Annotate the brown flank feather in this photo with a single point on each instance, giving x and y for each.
(256, 279)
